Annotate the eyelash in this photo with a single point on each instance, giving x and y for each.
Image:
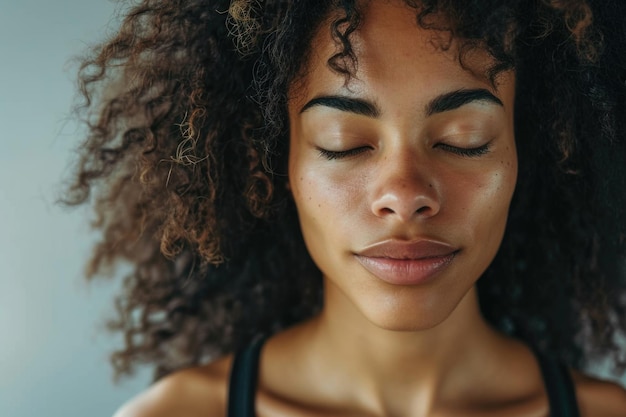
(330, 155)
(467, 152)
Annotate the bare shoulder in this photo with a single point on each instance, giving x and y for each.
(193, 392)
(598, 398)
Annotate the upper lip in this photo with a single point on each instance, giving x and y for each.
(402, 249)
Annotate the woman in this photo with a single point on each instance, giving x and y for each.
(320, 185)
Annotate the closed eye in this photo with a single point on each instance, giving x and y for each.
(330, 155)
(468, 152)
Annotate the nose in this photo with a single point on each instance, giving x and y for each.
(405, 189)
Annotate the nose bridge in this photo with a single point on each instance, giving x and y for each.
(404, 186)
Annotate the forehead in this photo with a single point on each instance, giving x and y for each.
(391, 49)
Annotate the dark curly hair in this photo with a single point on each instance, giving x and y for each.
(185, 158)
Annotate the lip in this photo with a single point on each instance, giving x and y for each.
(406, 262)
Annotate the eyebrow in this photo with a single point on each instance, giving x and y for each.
(455, 99)
(343, 103)
(442, 103)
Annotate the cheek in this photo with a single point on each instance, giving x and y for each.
(323, 195)
(503, 181)
(315, 200)
(485, 200)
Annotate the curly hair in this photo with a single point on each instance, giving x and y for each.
(184, 162)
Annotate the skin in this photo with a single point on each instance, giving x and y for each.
(379, 349)
(408, 181)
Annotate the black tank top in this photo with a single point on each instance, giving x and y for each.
(244, 372)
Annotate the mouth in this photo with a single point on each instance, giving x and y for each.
(407, 263)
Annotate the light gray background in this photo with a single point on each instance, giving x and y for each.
(53, 351)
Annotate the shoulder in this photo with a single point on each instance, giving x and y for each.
(598, 398)
(193, 392)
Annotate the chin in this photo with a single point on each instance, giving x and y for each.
(410, 310)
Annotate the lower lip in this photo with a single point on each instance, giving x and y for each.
(406, 271)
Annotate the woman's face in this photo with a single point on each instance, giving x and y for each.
(402, 177)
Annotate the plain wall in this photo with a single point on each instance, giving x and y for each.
(53, 351)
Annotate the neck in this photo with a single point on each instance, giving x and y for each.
(391, 366)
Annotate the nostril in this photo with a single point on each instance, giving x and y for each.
(406, 199)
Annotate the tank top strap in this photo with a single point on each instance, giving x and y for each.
(559, 387)
(243, 380)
